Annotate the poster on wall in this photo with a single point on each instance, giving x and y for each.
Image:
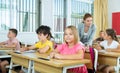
(116, 22)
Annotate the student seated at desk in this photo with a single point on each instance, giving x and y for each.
(71, 49)
(109, 44)
(100, 38)
(44, 45)
(12, 42)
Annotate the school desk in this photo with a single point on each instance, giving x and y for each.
(20, 59)
(109, 58)
(40, 65)
(3, 54)
(54, 65)
(4, 48)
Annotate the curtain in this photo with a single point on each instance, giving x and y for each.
(100, 15)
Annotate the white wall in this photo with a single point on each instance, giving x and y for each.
(113, 6)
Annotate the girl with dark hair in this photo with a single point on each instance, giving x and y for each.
(43, 45)
(109, 44)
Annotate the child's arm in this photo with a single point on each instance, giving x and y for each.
(98, 47)
(78, 55)
(114, 49)
(10, 46)
(44, 50)
(2, 43)
(53, 53)
(28, 48)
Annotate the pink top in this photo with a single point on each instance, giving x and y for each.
(11, 41)
(65, 50)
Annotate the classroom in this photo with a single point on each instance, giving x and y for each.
(59, 36)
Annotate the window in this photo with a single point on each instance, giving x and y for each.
(20, 14)
(69, 12)
(78, 9)
(59, 20)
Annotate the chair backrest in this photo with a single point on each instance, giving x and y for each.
(89, 55)
(96, 59)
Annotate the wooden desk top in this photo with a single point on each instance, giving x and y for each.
(112, 54)
(52, 62)
(18, 55)
(4, 48)
(62, 63)
(59, 63)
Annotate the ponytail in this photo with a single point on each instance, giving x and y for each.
(115, 37)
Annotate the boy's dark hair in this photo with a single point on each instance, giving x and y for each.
(14, 31)
(44, 30)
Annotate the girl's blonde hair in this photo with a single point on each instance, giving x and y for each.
(75, 33)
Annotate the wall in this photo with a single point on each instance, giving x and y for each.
(113, 6)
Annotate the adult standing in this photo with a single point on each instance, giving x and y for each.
(87, 30)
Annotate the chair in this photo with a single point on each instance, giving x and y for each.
(96, 59)
(90, 65)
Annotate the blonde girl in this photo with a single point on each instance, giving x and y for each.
(70, 49)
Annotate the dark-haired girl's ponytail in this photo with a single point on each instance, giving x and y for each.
(115, 38)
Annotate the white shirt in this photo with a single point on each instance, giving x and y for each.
(113, 45)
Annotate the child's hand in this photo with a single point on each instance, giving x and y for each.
(57, 56)
(23, 49)
(39, 50)
(52, 54)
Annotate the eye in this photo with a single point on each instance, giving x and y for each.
(65, 34)
(39, 34)
(87, 20)
(70, 34)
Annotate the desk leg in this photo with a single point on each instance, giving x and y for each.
(68, 67)
(30, 66)
(33, 70)
(64, 70)
(10, 66)
(118, 65)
